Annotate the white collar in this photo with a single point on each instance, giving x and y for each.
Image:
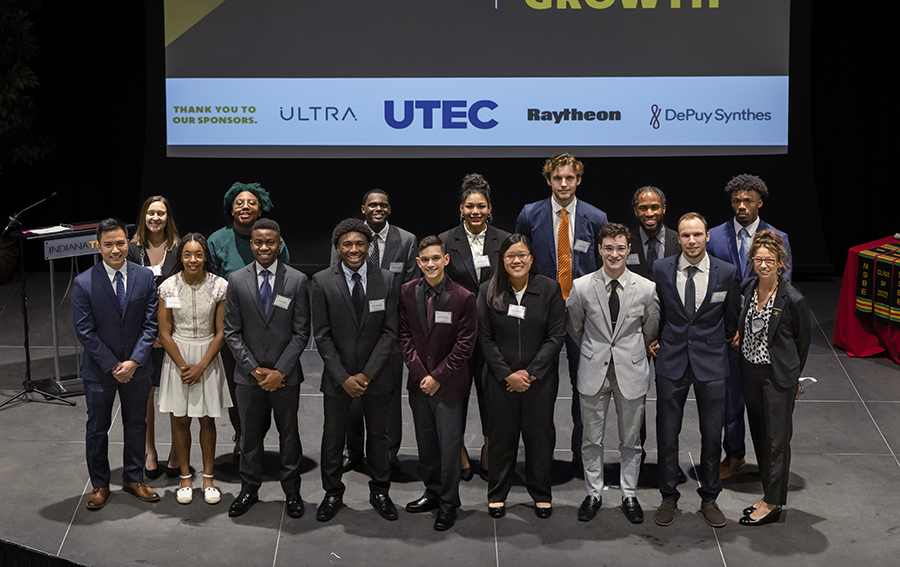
(557, 207)
(384, 231)
(751, 228)
(702, 265)
(272, 269)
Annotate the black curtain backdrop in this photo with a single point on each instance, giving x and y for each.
(101, 99)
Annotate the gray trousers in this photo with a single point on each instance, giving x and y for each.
(630, 415)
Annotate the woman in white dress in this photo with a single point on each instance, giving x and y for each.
(191, 314)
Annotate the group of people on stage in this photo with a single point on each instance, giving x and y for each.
(219, 324)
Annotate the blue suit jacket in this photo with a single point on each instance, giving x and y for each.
(536, 222)
(702, 341)
(723, 245)
(108, 335)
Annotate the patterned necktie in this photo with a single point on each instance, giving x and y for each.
(563, 255)
(613, 302)
(743, 251)
(374, 252)
(357, 295)
(120, 291)
(265, 291)
(690, 292)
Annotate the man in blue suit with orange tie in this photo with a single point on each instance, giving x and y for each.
(730, 241)
(115, 310)
(563, 232)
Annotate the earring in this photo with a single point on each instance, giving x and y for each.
(490, 218)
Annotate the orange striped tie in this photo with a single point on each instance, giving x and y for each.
(564, 255)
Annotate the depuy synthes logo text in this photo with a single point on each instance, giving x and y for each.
(705, 117)
(451, 114)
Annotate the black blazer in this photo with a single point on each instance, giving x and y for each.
(348, 345)
(462, 265)
(138, 255)
(789, 331)
(512, 344)
(671, 248)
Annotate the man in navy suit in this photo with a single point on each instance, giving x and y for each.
(699, 304)
(563, 232)
(730, 241)
(115, 309)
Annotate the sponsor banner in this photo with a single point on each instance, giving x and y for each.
(512, 112)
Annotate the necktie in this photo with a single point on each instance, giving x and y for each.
(690, 292)
(374, 253)
(265, 291)
(563, 255)
(652, 255)
(358, 295)
(613, 302)
(120, 291)
(431, 295)
(744, 250)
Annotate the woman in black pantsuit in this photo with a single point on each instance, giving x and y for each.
(474, 247)
(774, 342)
(521, 329)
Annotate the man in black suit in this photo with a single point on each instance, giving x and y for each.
(267, 328)
(652, 240)
(355, 325)
(392, 249)
(699, 305)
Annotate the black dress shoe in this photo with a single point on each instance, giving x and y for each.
(445, 520)
(384, 505)
(497, 511)
(632, 509)
(294, 505)
(329, 508)
(748, 510)
(682, 478)
(588, 508)
(423, 504)
(543, 513)
(153, 474)
(242, 503)
(769, 518)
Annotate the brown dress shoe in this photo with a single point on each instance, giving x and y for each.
(140, 491)
(97, 498)
(730, 465)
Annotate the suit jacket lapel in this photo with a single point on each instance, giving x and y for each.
(392, 243)
(341, 283)
(277, 289)
(628, 293)
(546, 215)
(491, 250)
(376, 288)
(253, 289)
(102, 279)
(777, 310)
(420, 301)
(465, 252)
(711, 283)
(599, 286)
(671, 246)
(732, 245)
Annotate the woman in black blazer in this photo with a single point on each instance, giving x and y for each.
(474, 247)
(774, 341)
(521, 328)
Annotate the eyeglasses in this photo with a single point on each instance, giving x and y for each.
(611, 249)
(766, 261)
(521, 256)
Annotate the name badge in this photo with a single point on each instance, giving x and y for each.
(582, 245)
(157, 270)
(718, 296)
(632, 260)
(376, 305)
(396, 268)
(636, 311)
(482, 261)
(173, 303)
(445, 317)
(517, 311)
(282, 301)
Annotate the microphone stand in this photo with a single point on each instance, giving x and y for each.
(28, 384)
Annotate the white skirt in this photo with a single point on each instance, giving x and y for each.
(206, 398)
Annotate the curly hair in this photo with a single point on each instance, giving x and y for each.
(746, 182)
(265, 202)
(475, 184)
(771, 241)
(560, 160)
(614, 230)
(347, 226)
(648, 189)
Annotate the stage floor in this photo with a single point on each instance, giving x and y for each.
(843, 508)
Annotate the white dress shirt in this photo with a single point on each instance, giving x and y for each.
(382, 238)
(111, 274)
(556, 218)
(701, 279)
(476, 245)
(259, 275)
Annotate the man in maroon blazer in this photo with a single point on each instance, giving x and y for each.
(438, 328)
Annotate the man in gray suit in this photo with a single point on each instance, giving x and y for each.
(392, 249)
(267, 328)
(613, 315)
(355, 324)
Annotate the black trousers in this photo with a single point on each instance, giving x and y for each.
(573, 355)
(531, 414)
(234, 414)
(356, 436)
(377, 412)
(478, 376)
(671, 396)
(257, 407)
(439, 432)
(770, 410)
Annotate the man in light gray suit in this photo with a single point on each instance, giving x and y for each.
(267, 328)
(613, 315)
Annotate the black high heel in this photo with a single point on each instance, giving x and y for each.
(769, 518)
(749, 510)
